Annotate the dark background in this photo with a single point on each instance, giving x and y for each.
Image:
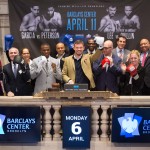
(19, 8)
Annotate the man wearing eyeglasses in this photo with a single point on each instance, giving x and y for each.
(106, 69)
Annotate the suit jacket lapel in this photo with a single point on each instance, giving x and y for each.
(72, 63)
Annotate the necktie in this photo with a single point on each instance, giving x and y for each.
(143, 60)
(47, 67)
(15, 70)
(121, 54)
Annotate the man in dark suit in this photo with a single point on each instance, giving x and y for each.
(1, 80)
(16, 76)
(106, 69)
(146, 87)
(145, 50)
(145, 62)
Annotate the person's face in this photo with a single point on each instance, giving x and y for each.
(121, 43)
(91, 44)
(128, 10)
(134, 59)
(60, 48)
(78, 48)
(144, 45)
(51, 11)
(112, 11)
(12, 53)
(107, 50)
(45, 50)
(35, 10)
(25, 54)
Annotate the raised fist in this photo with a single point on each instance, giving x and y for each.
(99, 41)
(132, 70)
(105, 63)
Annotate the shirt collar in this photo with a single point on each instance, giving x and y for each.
(118, 50)
(108, 56)
(60, 57)
(12, 64)
(89, 52)
(74, 57)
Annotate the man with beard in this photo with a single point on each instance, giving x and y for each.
(91, 46)
(107, 23)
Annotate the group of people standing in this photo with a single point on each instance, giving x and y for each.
(99, 64)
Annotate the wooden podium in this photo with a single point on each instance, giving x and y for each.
(76, 94)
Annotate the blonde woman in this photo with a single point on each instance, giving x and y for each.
(133, 75)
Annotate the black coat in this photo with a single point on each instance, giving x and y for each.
(136, 87)
(107, 80)
(20, 82)
(146, 87)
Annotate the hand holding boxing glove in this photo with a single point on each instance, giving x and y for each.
(133, 71)
(105, 63)
(111, 60)
(42, 61)
(9, 39)
(99, 41)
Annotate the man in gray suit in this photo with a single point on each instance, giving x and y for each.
(120, 50)
(45, 69)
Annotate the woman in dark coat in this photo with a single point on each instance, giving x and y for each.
(133, 75)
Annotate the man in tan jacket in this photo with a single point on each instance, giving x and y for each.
(77, 67)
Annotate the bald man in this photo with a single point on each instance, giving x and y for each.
(145, 62)
(106, 69)
(145, 50)
(15, 77)
(62, 52)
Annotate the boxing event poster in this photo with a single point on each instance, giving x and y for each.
(33, 22)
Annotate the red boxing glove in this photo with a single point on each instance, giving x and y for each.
(132, 70)
(105, 62)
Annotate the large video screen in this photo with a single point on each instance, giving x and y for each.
(20, 124)
(131, 125)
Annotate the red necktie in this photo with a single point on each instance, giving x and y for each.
(143, 60)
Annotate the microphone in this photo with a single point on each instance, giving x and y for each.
(18, 60)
